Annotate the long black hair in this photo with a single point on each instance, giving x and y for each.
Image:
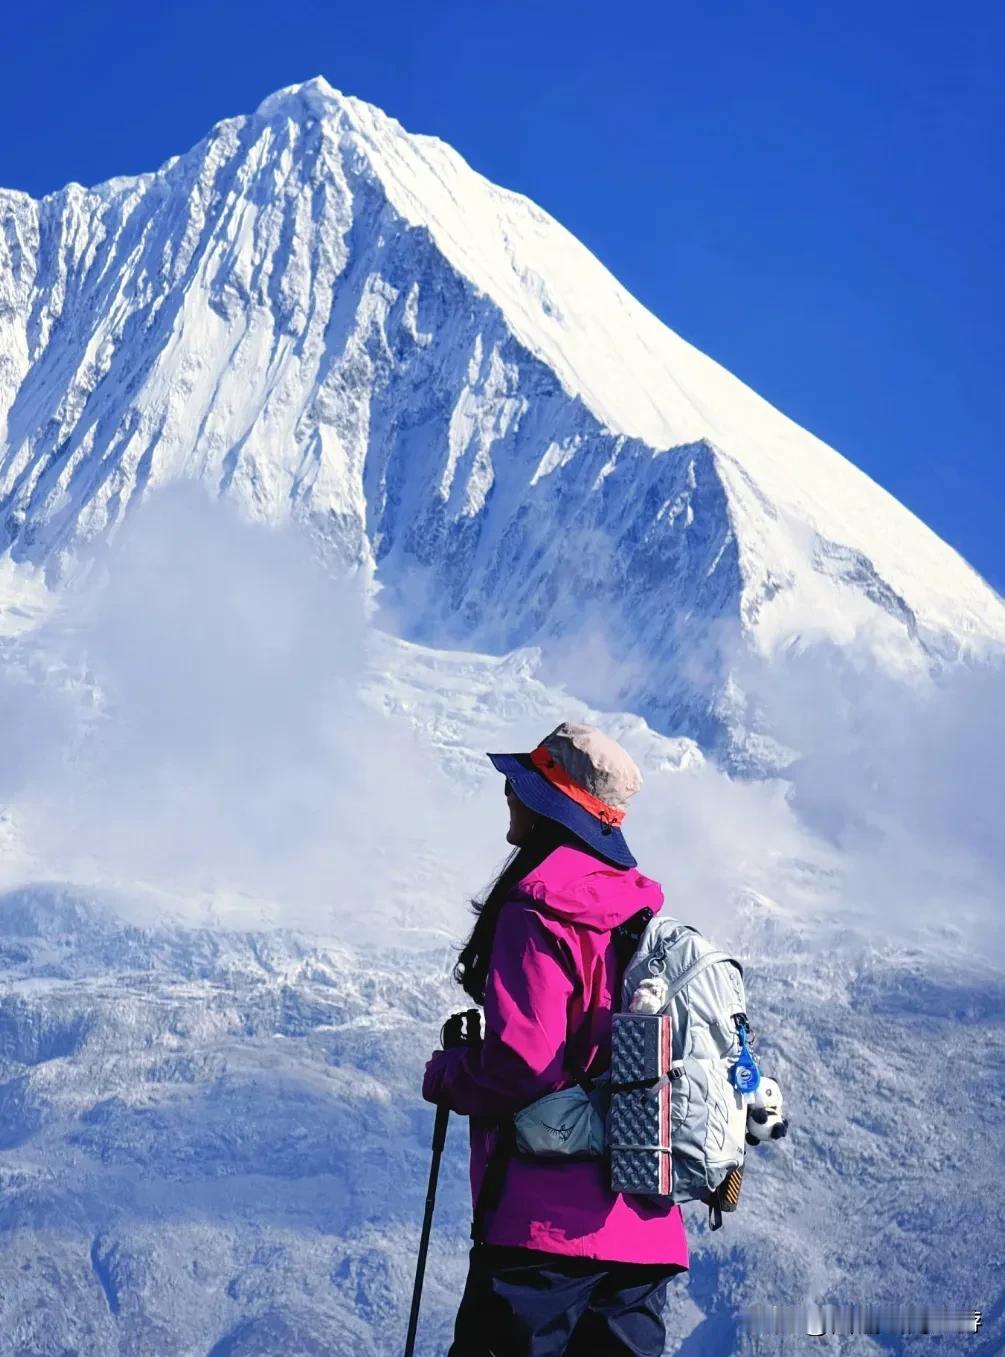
(472, 969)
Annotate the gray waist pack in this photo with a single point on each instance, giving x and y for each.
(570, 1123)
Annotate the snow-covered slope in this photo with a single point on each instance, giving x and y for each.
(327, 317)
(211, 1144)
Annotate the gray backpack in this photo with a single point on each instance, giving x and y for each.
(707, 1006)
(708, 1115)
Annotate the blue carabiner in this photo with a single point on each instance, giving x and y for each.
(745, 1075)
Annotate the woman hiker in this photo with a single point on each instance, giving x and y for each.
(561, 1266)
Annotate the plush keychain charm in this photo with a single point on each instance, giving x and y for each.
(651, 996)
(764, 1114)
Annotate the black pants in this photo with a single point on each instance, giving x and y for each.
(523, 1303)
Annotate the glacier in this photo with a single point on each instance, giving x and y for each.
(317, 328)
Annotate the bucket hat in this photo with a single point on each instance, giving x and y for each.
(581, 778)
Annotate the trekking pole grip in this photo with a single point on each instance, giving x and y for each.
(440, 1129)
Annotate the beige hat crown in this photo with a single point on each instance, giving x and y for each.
(592, 761)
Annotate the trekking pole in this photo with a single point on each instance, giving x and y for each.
(460, 1029)
(439, 1140)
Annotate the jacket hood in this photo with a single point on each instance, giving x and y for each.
(579, 888)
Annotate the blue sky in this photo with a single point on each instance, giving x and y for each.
(810, 193)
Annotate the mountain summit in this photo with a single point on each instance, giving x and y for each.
(326, 317)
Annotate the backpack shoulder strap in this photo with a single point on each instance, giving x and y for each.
(700, 964)
(627, 937)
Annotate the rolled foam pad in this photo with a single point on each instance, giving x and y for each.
(638, 1129)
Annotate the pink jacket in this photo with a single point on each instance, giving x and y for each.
(551, 990)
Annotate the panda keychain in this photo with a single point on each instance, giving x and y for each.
(765, 1119)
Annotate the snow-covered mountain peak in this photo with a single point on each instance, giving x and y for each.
(326, 317)
(644, 381)
(637, 376)
(309, 98)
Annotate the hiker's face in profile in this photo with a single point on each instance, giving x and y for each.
(520, 818)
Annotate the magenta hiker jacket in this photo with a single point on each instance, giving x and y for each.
(551, 990)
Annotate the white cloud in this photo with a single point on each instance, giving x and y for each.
(221, 752)
(193, 728)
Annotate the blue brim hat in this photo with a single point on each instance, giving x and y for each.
(597, 776)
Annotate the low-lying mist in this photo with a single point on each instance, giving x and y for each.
(191, 729)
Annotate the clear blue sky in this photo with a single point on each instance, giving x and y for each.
(811, 193)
